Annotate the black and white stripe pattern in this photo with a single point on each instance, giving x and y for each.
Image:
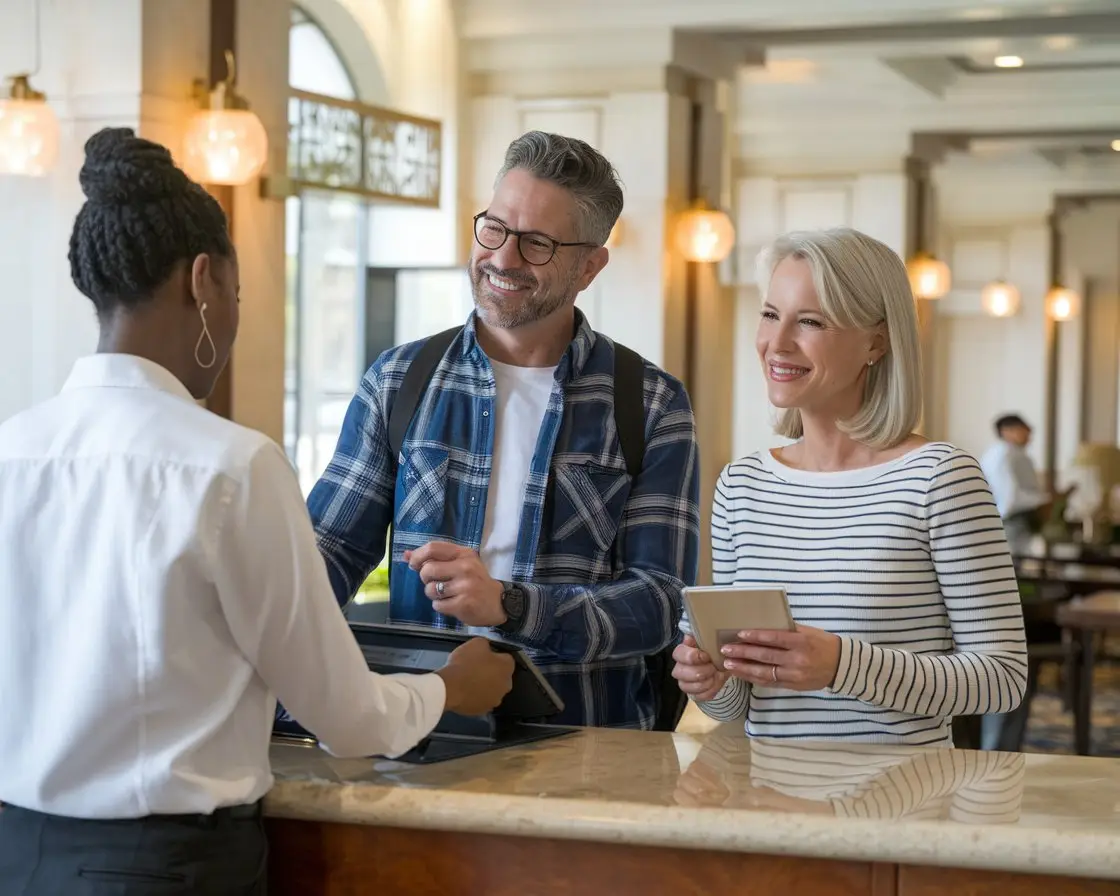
(907, 562)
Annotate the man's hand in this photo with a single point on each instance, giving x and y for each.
(457, 583)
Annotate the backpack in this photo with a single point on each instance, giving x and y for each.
(629, 416)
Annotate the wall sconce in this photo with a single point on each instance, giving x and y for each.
(1062, 303)
(705, 234)
(930, 277)
(28, 131)
(28, 126)
(225, 143)
(1000, 299)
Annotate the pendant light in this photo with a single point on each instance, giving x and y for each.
(705, 234)
(1000, 299)
(29, 130)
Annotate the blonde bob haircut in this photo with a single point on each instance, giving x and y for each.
(861, 284)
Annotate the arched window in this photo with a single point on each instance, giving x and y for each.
(313, 63)
(326, 254)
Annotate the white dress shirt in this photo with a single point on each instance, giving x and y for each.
(1012, 478)
(160, 587)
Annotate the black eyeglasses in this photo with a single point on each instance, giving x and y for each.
(535, 248)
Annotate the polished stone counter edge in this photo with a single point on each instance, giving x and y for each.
(1010, 848)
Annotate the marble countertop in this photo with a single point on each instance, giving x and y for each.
(1031, 813)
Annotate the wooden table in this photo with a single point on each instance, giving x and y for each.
(619, 812)
(1087, 617)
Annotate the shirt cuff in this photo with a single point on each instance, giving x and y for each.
(432, 694)
(847, 681)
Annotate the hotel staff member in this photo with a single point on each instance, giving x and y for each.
(160, 586)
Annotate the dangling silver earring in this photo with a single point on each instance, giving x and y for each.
(205, 334)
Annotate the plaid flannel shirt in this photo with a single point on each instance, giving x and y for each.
(602, 558)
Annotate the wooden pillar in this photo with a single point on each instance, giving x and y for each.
(223, 36)
(1053, 352)
(917, 239)
(709, 317)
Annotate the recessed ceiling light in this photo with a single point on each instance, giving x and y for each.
(1008, 61)
(1115, 144)
(1060, 42)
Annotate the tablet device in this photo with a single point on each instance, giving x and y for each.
(717, 613)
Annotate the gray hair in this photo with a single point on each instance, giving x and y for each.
(577, 167)
(861, 283)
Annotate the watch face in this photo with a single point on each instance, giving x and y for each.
(513, 602)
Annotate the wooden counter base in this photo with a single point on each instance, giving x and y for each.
(317, 859)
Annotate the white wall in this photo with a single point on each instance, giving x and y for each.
(872, 202)
(993, 222)
(95, 75)
(989, 366)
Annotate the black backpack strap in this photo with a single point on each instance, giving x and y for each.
(630, 406)
(630, 418)
(415, 383)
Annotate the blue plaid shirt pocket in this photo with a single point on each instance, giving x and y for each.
(588, 501)
(422, 489)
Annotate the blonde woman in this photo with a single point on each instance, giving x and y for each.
(889, 545)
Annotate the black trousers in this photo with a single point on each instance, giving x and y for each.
(224, 854)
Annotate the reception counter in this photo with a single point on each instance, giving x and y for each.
(619, 812)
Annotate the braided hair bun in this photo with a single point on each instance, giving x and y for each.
(142, 217)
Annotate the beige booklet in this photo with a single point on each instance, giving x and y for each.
(717, 613)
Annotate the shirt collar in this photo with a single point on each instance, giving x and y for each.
(575, 357)
(118, 371)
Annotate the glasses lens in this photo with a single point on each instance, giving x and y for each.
(490, 234)
(536, 249)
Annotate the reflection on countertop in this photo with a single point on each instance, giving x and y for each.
(999, 811)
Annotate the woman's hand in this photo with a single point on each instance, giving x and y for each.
(804, 660)
(694, 671)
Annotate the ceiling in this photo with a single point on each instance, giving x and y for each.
(839, 79)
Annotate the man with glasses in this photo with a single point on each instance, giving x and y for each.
(495, 454)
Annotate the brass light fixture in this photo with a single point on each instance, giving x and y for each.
(1000, 299)
(1062, 303)
(28, 126)
(929, 276)
(704, 234)
(225, 142)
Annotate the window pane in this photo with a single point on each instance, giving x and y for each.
(330, 331)
(313, 64)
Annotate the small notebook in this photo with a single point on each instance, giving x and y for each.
(717, 613)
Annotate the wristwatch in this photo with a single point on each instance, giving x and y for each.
(513, 603)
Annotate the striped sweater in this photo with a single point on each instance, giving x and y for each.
(907, 562)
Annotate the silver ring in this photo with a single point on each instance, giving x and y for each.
(774, 673)
(439, 588)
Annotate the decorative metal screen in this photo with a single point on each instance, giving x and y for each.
(364, 150)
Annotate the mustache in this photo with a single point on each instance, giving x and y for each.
(512, 276)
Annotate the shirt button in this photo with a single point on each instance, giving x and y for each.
(485, 413)
(474, 500)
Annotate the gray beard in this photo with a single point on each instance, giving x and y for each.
(503, 314)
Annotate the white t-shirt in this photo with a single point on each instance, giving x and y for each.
(520, 403)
